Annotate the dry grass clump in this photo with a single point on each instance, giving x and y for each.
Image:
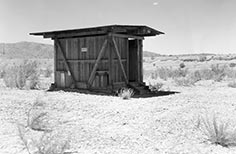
(182, 65)
(21, 132)
(2, 71)
(22, 76)
(202, 58)
(184, 76)
(37, 118)
(232, 65)
(36, 136)
(45, 143)
(217, 132)
(184, 81)
(219, 72)
(215, 72)
(169, 73)
(231, 73)
(50, 143)
(126, 93)
(48, 71)
(232, 84)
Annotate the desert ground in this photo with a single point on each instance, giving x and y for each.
(34, 121)
(108, 124)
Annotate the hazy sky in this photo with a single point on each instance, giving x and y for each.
(191, 26)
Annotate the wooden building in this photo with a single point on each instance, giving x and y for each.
(99, 58)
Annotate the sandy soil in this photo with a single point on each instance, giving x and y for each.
(107, 124)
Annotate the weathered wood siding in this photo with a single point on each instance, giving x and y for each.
(82, 63)
(122, 45)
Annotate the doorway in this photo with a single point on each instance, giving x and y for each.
(133, 60)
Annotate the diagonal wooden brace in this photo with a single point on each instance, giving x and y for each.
(119, 59)
(57, 42)
(92, 75)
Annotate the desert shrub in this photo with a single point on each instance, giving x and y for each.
(232, 84)
(51, 143)
(215, 72)
(231, 73)
(48, 72)
(165, 73)
(184, 81)
(33, 82)
(195, 76)
(126, 93)
(217, 132)
(39, 121)
(21, 133)
(202, 58)
(46, 143)
(219, 72)
(232, 64)
(30, 68)
(181, 65)
(162, 73)
(2, 70)
(36, 137)
(37, 118)
(179, 73)
(217, 69)
(206, 74)
(17, 76)
(2, 73)
(14, 77)
(156, 86)
(219, 77)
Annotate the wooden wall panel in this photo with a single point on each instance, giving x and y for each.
(122, 44)
(59, 65)
(55, 62)
(82, 69)
(76, 45)
(65, 48)
(96, 46)
(118, 71)
(57, 79)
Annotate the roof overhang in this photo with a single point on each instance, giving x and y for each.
(134, 30)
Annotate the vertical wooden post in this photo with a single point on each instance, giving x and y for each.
(127, 60)
(55, 62)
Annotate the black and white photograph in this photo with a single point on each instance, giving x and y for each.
(117, 76)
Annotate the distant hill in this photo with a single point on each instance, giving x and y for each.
(197, 54)
(150, 54)
(26, 50)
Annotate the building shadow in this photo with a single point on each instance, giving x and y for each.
(105, 93)
(156, 94)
